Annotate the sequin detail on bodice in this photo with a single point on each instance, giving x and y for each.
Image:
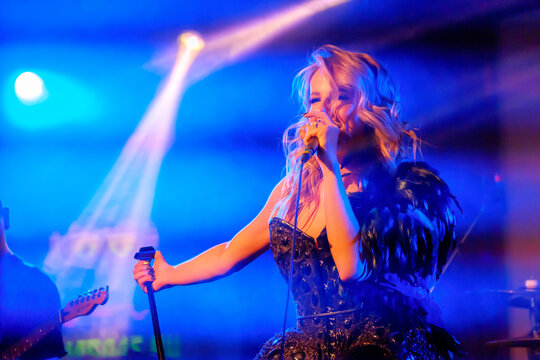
(316, 286)
(363, 328)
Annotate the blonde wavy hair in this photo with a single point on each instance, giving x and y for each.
(375, 101)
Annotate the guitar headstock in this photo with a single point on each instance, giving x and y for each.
(84, 304)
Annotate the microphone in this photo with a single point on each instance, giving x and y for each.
(310, 149)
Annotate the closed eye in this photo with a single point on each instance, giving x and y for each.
(344, 96)
(314, 100)
(345, 93)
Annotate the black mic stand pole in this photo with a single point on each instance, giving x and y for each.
(147, 254)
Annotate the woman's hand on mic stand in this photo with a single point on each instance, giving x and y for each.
(157, 275)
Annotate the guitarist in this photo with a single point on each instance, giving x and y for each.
(27, 299)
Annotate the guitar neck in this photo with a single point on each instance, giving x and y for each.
(83, 305)
(24, 344)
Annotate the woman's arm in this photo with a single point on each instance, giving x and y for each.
(342, 228)
(216, 262)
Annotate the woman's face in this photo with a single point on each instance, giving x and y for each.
(339, 105)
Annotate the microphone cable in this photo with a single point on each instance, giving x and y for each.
(303, 160)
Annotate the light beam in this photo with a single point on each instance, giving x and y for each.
(116, 223)
(102, 241)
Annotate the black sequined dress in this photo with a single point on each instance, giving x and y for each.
(407, 232)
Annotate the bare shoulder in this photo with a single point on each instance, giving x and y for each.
(276, 195)
(256, 232)
(254, 238)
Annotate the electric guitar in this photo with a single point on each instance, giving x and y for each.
(83, 305)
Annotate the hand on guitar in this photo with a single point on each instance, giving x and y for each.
(157, 275)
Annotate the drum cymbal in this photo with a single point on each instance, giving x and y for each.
(521, 297)
(528, 342)
(520, 292)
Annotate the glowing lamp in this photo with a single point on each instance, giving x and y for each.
(29, 88)
(191, 40)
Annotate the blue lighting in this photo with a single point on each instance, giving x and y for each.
(49, 100)
(29, 88)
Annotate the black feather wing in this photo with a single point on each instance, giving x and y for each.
(407, 223)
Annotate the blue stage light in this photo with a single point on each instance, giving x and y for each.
(52, 99)
(30, 88)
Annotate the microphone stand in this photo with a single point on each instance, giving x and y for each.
(147, 254)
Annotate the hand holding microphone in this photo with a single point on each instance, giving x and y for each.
(312, 145)
(320, 137)
(310, 149)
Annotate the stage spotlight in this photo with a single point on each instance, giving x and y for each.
(230, 45)
(29, 88)
(191, 41)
